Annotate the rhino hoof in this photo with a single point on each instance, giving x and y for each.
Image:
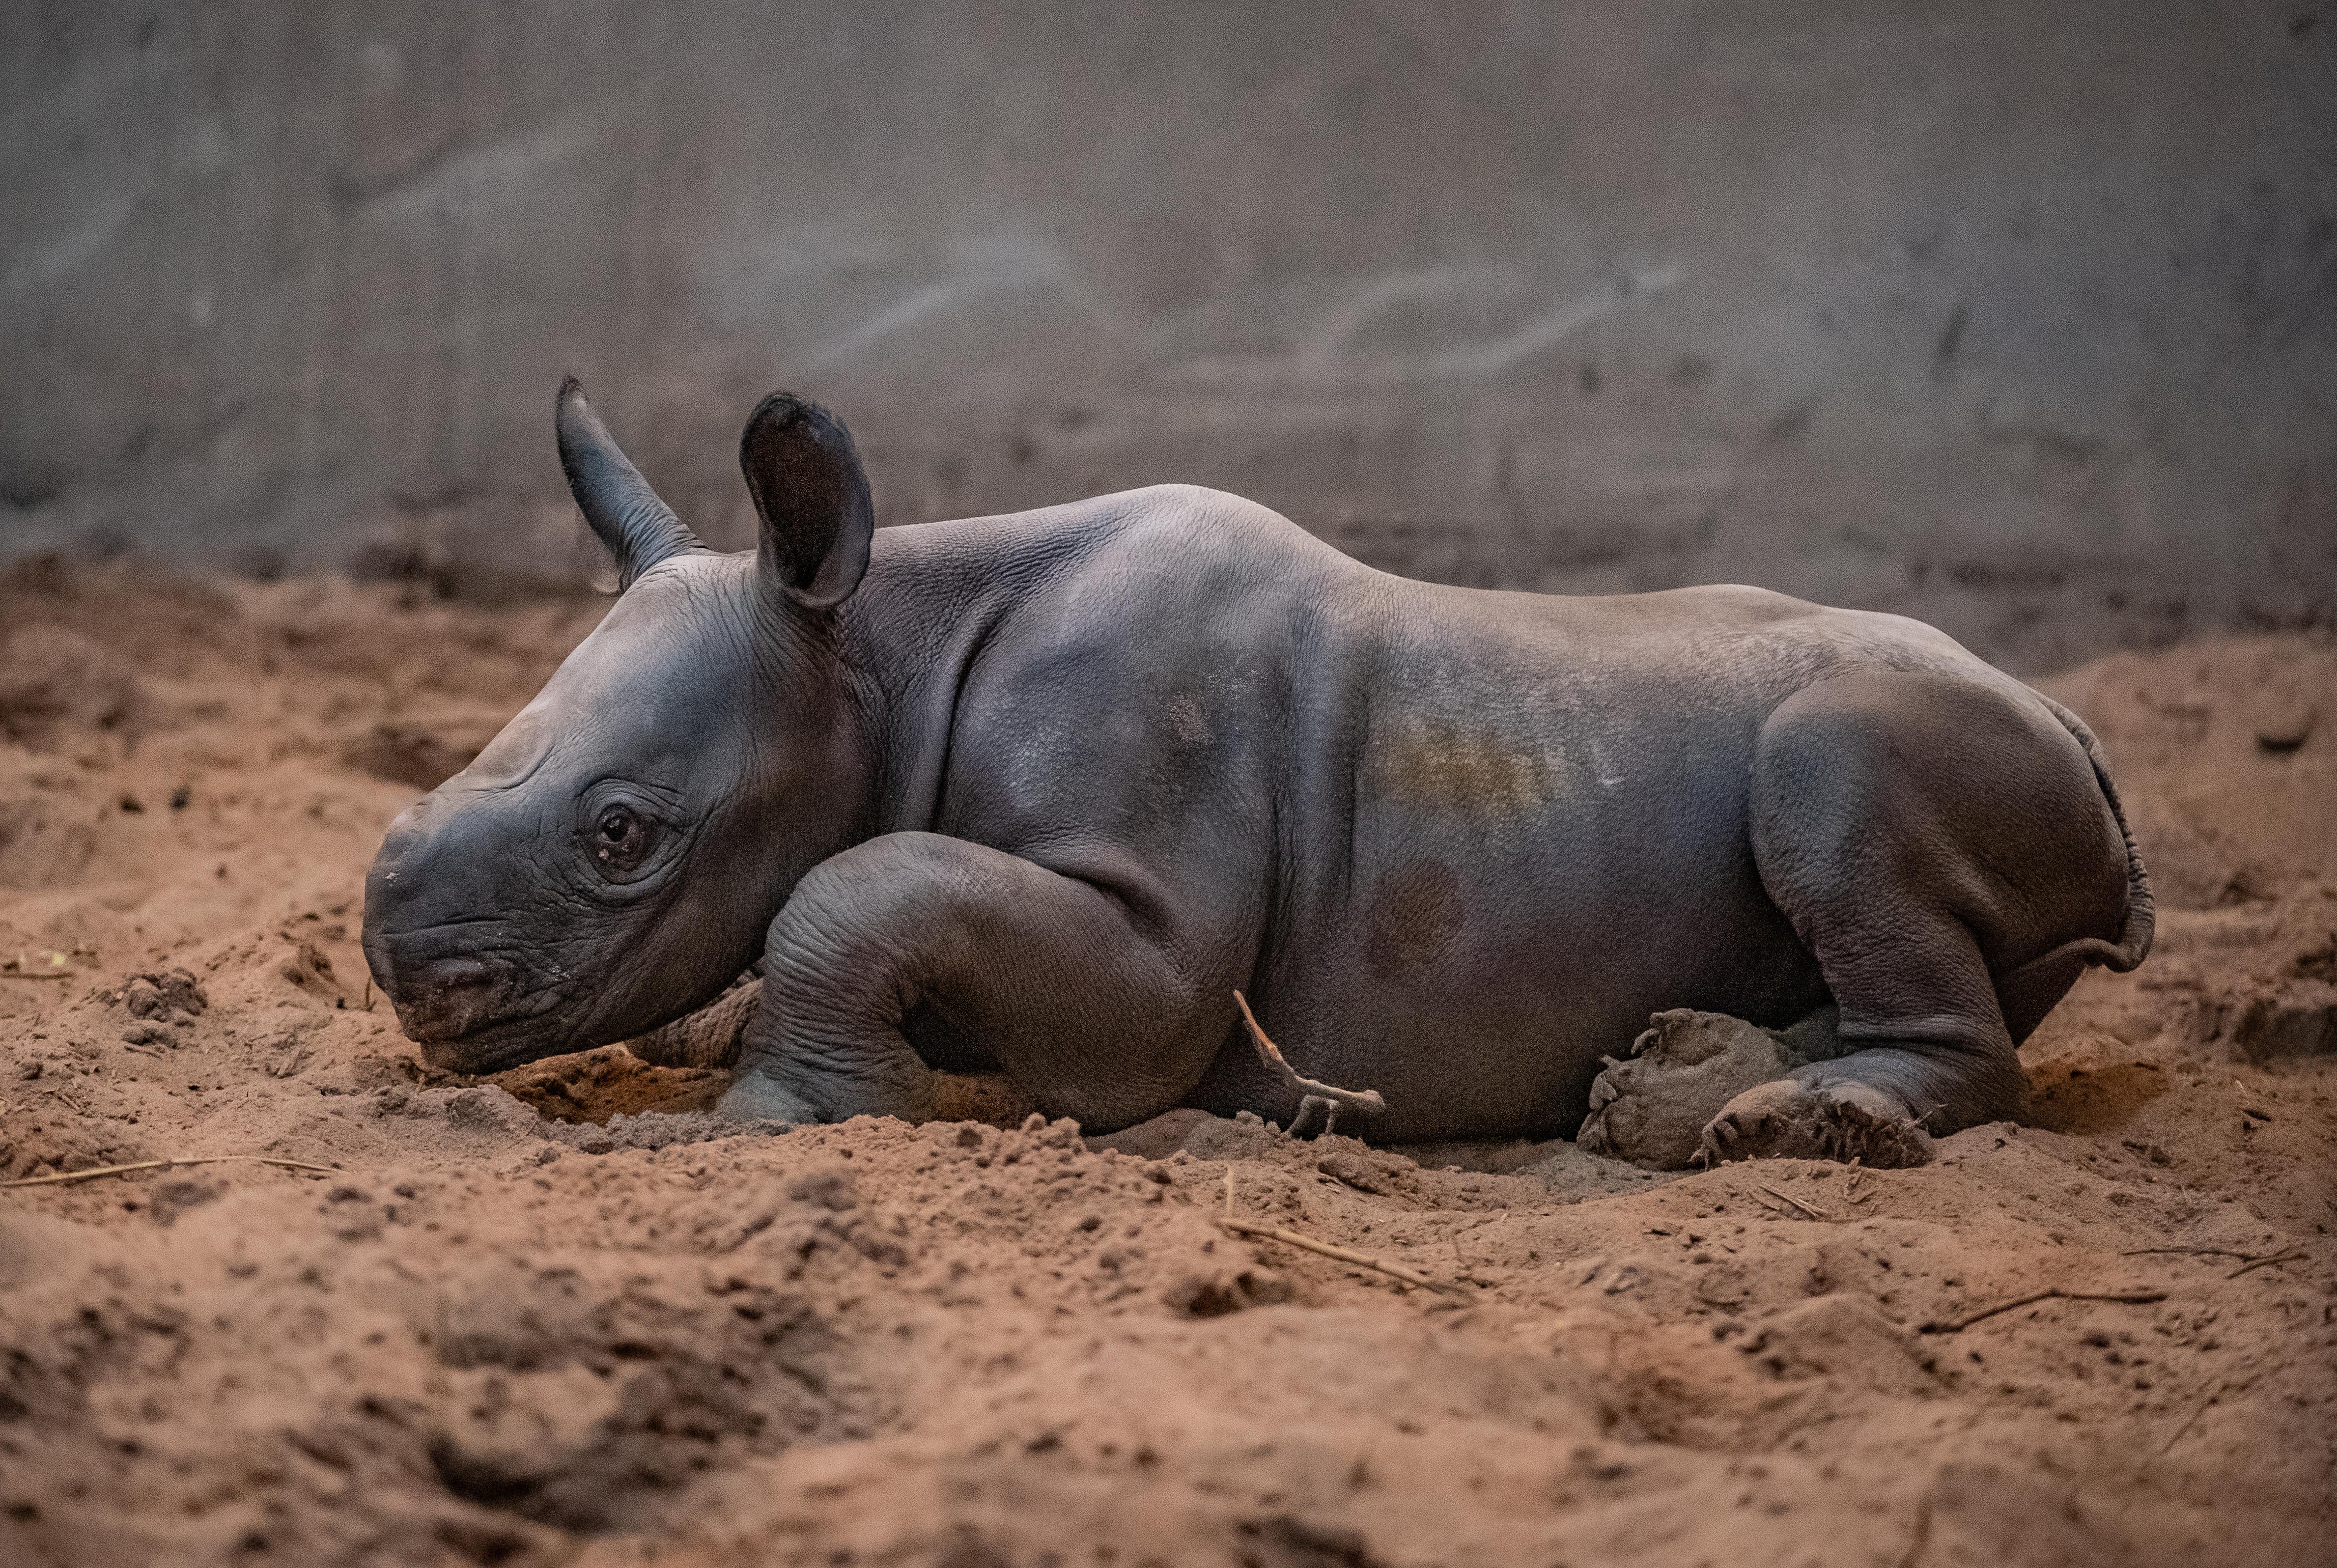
(1787, 1119)
(1653, 1109)
(755, 1098)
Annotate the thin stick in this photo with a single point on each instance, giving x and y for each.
(1343, 1254)
(2131, 1298)
(2169, 1446)
(2291, 1256)
(2185, 1252)
(164, 1165)
(368, 1003)
(1813, 1210)
(43, 975)
(1329, 1095)
(1923, 1536)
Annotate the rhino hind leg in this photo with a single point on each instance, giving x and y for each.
(1933, 841)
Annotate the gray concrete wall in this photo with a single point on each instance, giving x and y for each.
(2023, 316)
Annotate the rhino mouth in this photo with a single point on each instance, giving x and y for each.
(469, 1011)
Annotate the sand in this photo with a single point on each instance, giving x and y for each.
(566, 1316)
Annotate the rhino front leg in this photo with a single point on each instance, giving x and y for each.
(1046, 973)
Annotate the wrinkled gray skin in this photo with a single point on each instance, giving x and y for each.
(1038, 792)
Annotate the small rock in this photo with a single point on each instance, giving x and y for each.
(2300, 1020)
(1215, 1295)
(2286, 732)
(1353, 1171)
(829, 1189)
(162, 995)
(145, 1034)
(174, 1198)
(306, 966)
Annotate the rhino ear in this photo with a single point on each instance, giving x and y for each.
(639, 529)
(813, 497)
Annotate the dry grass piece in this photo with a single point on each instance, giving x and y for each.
(1343, 1254)
(2183, 1431)
(1311, 1092)
(165, 1165)
(1811, 1210)
(2131, 1298)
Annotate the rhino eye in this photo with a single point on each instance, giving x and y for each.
(620, 840)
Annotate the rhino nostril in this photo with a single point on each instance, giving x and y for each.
(447, 998)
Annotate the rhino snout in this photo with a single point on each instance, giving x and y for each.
(443, 1001)
(451, 997)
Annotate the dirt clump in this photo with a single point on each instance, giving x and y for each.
(572, 1315)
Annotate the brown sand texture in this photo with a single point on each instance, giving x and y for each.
(564, 1316)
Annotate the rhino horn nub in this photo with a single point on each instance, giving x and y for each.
(639, 529)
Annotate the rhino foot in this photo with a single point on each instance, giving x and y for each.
(754, 1097)
(1789, 1120)
(1653, 1109)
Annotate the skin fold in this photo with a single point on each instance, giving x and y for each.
(1037, 793)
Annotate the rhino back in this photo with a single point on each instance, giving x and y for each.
(1457, 844)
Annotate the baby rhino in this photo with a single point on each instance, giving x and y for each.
(1037, 794)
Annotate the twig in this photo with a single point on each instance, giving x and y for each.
(366, 1005)
(1923, 1536)
(2180, 1432)
(1311, 1092)
(42, 975)
(164, 1165)
(1811, 1210)
(2291, 1256)
(2131, 1298)
(2185, 1252)
(1343, 1254)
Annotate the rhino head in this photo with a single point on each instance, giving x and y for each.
(613, 858)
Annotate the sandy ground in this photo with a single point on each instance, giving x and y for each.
(564, 1316)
